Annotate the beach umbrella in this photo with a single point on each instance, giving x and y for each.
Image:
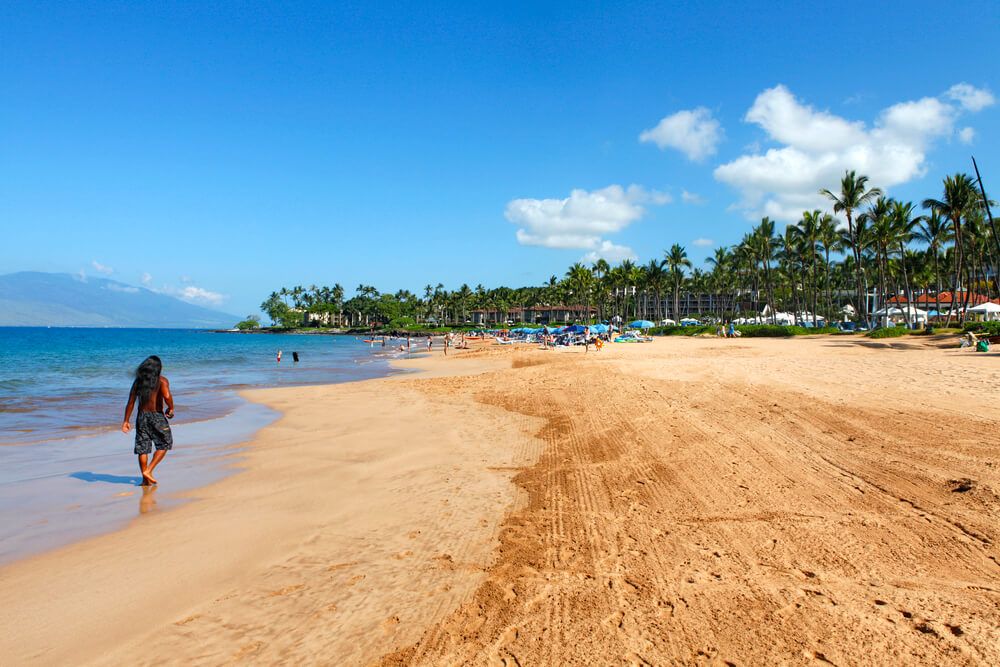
(641, 324)
(598, 328)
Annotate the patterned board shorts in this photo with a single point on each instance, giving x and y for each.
(150, 428)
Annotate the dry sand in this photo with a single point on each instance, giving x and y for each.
(693, 500)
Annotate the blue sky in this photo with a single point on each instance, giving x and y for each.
(221, 152)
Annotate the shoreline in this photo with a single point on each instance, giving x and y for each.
(186, 534)
(691, 499)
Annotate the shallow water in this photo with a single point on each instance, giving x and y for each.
(67, 471)
(57, 383)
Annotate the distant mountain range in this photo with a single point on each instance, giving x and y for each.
(61, 300)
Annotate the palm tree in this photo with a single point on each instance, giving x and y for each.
(654, 278)
(829, 239)
(902, 223)
(877, 217)
(676, 260)
(852, 197)
(578, 280)
(721, 261)
(960, 199)
(808, 232)
(765, 245)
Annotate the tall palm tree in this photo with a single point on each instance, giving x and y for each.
(676, 260)
(902, 224)
(721, 262)
(853, 195)
(765, 245)
(880, 225)
(579, 280)
(654, 279)
(808, 231)
(828, 239)
(960, 199)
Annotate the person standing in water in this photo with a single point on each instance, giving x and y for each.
(279, 356)
(151, 391)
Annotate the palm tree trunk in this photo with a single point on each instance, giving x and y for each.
(906, 283)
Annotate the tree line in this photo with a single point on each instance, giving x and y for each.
(814, 267)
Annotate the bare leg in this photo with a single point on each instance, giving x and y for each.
(157, 457)
(142, 469)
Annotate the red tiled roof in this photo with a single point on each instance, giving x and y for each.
(944, 298)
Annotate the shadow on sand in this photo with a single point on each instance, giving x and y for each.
(107, 479)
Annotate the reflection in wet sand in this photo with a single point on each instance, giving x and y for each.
(147, 502)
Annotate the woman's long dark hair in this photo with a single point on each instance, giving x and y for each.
(147, 378)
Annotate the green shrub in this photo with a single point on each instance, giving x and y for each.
(889, 332)
(250, 323)
(987, 328)
(778, 331)
(678, 330)
(747, 330)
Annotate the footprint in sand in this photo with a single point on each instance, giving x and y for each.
(341, 566)
(389, 624)
(286, 590)
(355, 579)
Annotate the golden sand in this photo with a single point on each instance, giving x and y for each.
(692, 500)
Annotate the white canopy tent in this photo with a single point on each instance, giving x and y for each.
(895, 314)
(989, 310)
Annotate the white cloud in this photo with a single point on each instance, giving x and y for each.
(970, 97)
(817, 147)
(583, 219)
(146, 279)
(703, 242)
(610, 252)
(193, 294)
(198, 294)
(691, 197)
(694, 133)
(102, 268)
(966, 135)
(127, 289)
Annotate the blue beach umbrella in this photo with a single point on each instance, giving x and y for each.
(641, 324)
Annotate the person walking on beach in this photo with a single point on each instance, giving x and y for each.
(151, 391)
(430, 343)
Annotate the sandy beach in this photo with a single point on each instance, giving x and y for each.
(754, 501)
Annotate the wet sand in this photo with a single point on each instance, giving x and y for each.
(693, 500)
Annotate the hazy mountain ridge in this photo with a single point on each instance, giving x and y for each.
(32, 298)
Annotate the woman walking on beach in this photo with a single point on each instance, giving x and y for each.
(151, 390)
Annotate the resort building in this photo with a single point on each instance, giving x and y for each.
(533, 314)
(930, 302)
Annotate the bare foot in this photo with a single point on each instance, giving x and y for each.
(147, 479)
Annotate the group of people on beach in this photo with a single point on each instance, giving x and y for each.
(727, 330)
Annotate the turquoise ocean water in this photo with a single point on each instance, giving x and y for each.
(67, 471)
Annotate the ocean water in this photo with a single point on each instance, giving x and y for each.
(66, 470)
(58, 383)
